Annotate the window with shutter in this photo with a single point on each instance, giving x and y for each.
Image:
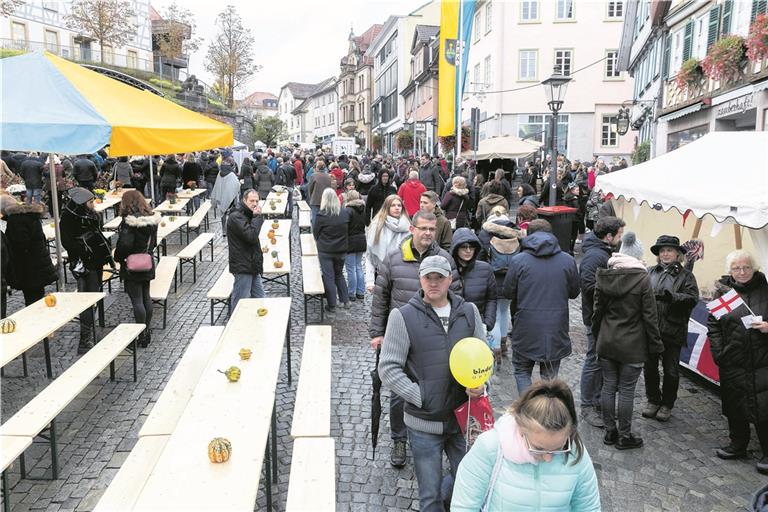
(725, 25)
(758, 7)
(688, 40)
(714, 26)
(667, 56)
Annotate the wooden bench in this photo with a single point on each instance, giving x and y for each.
(303, 206)
(221, 291)
(312, 283)
(113, 225)
(160, 286)
(125, 487)
(308, 245)
(200, 217)
(312, 409)
(177, 391)
(40, 413)
(11, 447)
(312, 483)
(190, 253)
(305, 222)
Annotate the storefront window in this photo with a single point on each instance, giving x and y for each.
(537, 127)
(683, 137)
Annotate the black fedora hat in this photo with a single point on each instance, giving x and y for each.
(667, 241)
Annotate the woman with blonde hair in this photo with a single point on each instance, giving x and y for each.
(330, 230)
(533, 458)
(388, 228)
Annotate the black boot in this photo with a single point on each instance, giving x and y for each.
(86, 342)
(146, 338)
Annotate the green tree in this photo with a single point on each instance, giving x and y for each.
(641, 153)
(230, 54)
(108, 21)
(178, 39)
(269, 130)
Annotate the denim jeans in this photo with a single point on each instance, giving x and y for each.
(591, 374)
(332, 268)
(397, 428)
(502, 322)
(246, 286)
(621, 378)
(427, 450)
(355, 275)
(34, 194)
(670, 362)
(313, 211)
(524, 369)
(208, 189)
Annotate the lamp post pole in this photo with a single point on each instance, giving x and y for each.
(555, 87)
(553, 167)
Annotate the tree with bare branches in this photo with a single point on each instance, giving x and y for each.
(178, 38)
(108, 21)
(230, 54)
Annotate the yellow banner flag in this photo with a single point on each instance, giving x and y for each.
(446, 107)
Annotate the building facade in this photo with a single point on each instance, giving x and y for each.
(258, 105)
(694, 103)
(291, 96)
(41, 25)
(322, 110)
(420, 95)
(354, 88)
(391, 51)
(516, 45)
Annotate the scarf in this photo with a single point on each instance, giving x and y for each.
(393, 232)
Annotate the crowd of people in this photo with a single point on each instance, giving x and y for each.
(445, 254)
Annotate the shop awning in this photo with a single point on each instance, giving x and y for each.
(682, 112)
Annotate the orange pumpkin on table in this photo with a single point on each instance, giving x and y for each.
(219, 450)
(50, 300)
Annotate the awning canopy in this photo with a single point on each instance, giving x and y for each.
(508, 146)
(724, 174)
(53, 105)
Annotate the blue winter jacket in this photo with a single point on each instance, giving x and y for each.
(539, 282)
(556, 486)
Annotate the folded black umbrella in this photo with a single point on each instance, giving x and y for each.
(375, 405)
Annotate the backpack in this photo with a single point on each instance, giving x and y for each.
(280, 178)
(499, 261)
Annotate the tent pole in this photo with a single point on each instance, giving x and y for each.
(56, 221)
(152, 182)
(697, 229)
(737, 236)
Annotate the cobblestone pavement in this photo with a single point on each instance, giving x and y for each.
(675, 470)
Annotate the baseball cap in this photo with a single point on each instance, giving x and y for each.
(435, 264)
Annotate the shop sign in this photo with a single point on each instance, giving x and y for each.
(736, 106)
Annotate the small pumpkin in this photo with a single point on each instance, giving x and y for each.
(273, 241)
(274, 254)
(232, 373)
(278, 264)
(7, 325)
(265, 249)
(50, 300)
(271, 233)
(219, 450)
(261, 311)
(275, 225)
(245, 354)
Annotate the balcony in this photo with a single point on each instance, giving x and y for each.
(348, 127)
(706, 88)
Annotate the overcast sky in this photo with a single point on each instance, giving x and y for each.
(296, 40)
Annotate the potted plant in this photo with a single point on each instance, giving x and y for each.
(725, 59)
(757, 40)
(689, 75)
(99, 193)
(448, 142)
(405, 140)
(171, 198)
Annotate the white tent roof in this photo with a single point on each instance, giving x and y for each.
(724, 174)
(503, 147)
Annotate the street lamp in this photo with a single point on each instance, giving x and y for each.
(554, 87)
(622, 121)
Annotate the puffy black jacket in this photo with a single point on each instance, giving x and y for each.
(85, 171)
(289, 173)
(676, 296)
(245, 256)
(246, 174)
(137, 235)
(211, 171)
(624, 323)
(430, 176)
(263, 180)
(82, 238)
(375, 199)
(191, 172)
(364, 181)
(32, 173)
(30, 259)
(330, 232)
(596, 255)
(398, 281)
(742, 354)
(356, 231)
(478, 281)
(170, 173)
(539, 282)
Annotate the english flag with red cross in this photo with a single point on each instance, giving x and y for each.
(725, 304)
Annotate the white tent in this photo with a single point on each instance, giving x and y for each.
(508, 146)
(721, 178)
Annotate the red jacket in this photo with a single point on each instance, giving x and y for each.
(410, 192)
(299, 172)
(338, 173)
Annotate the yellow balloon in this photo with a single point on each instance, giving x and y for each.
(471, 362)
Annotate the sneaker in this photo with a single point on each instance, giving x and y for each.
(650, 410)
(329, 308)
(731, 453)
(611, 437)
(360, 296)
(591, 416)
(86, 344)
(762, 466)
(352, 298)
(664, 413)
(397, 457)
(629, 442)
